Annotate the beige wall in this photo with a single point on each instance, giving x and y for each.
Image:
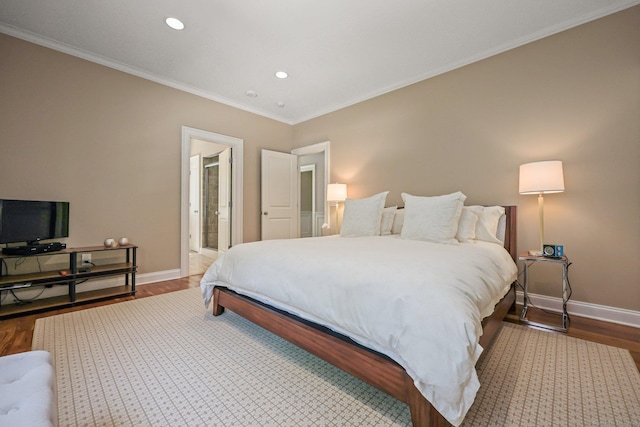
(574, 97)
(109, 143)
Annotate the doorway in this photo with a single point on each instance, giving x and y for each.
(207, 184)
(208, 145)
(216, 206)
(314, 170)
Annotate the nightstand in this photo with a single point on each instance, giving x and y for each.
(529, 260)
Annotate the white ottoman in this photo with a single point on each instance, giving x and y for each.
(28, 390)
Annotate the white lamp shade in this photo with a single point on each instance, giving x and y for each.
(541, 177)
(336, 192)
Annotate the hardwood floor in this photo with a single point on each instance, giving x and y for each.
(16, 334)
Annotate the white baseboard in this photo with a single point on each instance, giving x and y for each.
(585, 309)
(157, 276)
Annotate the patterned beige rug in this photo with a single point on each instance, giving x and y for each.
(165, 361)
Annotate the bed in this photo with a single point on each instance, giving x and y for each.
(318, 307)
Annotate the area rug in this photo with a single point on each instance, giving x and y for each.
(166, 361)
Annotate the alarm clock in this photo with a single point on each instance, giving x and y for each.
(553, 251)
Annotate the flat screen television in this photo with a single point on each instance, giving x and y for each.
(31, 221)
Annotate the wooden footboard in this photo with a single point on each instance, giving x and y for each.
(367, 365)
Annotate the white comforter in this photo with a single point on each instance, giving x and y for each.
(420, 303)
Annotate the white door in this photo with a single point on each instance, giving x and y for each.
(194, 203)
(224, 200)
(279, 195)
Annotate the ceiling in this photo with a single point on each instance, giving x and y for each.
(336, 52)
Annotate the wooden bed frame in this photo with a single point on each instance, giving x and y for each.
(372, 367)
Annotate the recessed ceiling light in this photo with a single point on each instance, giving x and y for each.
(282, 75)
(175, 23)
(280, 104)
(251, 93)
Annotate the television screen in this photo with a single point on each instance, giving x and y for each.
(30, 221)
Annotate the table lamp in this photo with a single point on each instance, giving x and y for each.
(541, 178)
(336, 193)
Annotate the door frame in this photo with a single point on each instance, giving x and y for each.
(237, 145)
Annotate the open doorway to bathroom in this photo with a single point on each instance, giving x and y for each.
(313, 167)
(209, 203)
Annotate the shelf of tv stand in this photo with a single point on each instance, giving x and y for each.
(44, 278)
(72, 280)
(62, 301)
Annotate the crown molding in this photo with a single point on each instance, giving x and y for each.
(119, 66)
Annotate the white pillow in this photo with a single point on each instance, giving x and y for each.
(502, 229)
(487, 226)
(467, 226)
(398, 221)
(432, 218)
(362, 216)
(386, 223)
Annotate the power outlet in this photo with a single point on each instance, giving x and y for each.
(86, 258)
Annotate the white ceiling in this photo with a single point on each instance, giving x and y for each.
(337, 52)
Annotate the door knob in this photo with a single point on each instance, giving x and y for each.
(265, 213)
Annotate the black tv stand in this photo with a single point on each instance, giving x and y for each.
(67, 269)
(34, 248)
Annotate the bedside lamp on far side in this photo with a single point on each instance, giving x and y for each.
(336, 193)
(541, 178)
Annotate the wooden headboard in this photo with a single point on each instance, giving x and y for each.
(511, 231)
